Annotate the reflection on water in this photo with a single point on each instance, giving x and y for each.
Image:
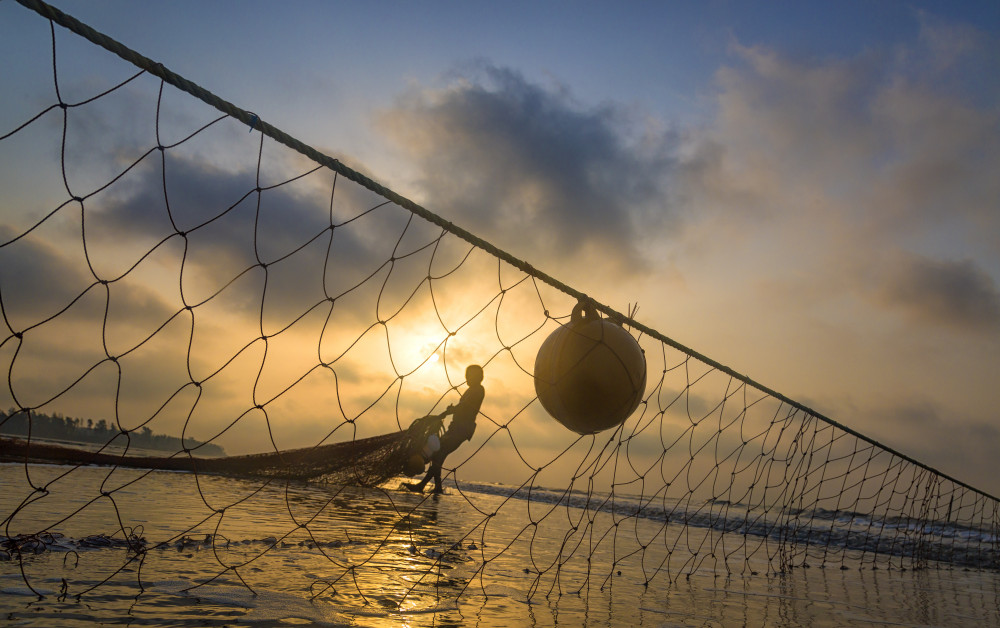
(218, 550)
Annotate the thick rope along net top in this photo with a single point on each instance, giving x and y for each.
(171, 264)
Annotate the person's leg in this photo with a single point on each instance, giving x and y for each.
(449, 443)
(435, 471)
(419, 486)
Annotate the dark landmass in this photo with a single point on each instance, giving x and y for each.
(15, 424)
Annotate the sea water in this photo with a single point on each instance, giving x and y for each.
(223, 551)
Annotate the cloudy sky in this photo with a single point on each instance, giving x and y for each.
(803, 191)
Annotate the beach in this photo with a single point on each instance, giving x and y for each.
(224, 551)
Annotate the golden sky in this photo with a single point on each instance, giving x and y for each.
(819, 214)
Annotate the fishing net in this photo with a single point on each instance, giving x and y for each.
(171, 264)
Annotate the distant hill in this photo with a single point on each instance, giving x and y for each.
(15, 424)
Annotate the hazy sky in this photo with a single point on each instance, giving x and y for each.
(803, 191)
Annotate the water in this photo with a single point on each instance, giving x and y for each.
(221, 551)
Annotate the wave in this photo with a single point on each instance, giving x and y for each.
(910, 537)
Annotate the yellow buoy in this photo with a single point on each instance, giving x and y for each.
(590, 374)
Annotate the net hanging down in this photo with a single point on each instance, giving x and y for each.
(246, 290)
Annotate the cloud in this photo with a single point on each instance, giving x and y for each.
(958, 294)
(959, 446)
(538, 173)
(198, 194)
(69, 322)
(40, 279)
(881, 141)
(36, 279)
(229, 235)
(820, 174)
(954, 51)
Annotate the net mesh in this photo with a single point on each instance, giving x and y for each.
(164, 267)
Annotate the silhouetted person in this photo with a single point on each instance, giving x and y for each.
(463, 425)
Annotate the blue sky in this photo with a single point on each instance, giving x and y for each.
(804, 191)
(662, 56)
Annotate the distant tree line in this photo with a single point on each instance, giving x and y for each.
(14, 423)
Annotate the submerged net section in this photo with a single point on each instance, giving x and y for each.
(362, 462)
(171, 264)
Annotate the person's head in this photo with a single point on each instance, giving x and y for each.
(474, 375)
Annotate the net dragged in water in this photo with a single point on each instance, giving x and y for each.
(364, 462)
